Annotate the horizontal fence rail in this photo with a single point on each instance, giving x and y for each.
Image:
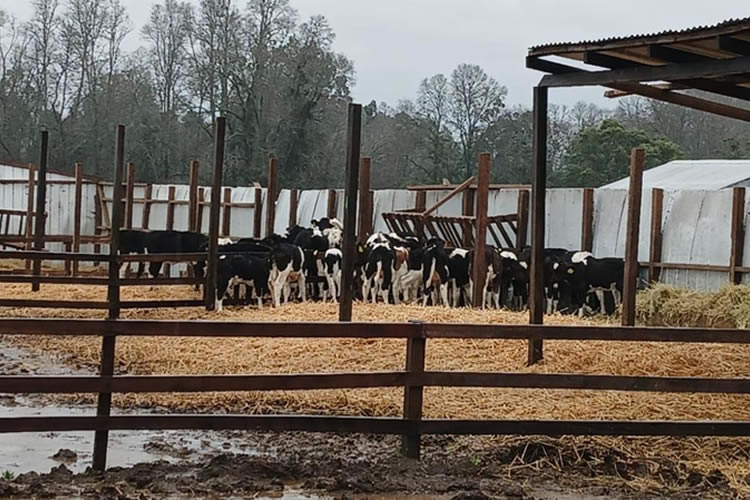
(413, 380)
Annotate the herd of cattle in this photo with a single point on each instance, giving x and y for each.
(306, 263)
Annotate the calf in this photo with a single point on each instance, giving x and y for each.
(174, 242)
(378, 273)
(238, 269)
(492, 283)
(132, 241)
(332, 270)
(459, 275)
(585, 274)
(411, 281)
(435, 274)
(287, 265)
(514, 276)
(400, 269)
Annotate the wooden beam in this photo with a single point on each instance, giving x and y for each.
(587, 220)
(614, 94)
(655, 246)
(673, 55)
(464, 185)
(523, 219)
(129, 192)
(29, 234)
(146, 217)
(258, 213)
(193, 196)
(630, 285)
(738, 234)
(573, 77)
(480, 242)
(41, 202)
(351, 183)
(104, 400)
(538, 213)
(293, 203)
(413, 395)
(113, 290)
(734, 45)
(331, 206)
(213, 238)
(77, 201)
(365, 205)
(272, 194)
(226, 218)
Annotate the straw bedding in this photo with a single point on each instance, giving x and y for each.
(233, 356)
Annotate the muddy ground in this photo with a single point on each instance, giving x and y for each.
(228, 464)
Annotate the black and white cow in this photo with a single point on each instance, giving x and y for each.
(411, 281)
(459, 275)
(514, 277)
(253, 272)
(435, 273)
(378, 272)
(585, 274)
(287, 264)
(492, 282)
(332, 270)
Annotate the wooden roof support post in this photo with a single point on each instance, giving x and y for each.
(293, 203)
(272, 194)
(738, 234)
(630, 280)
(655, 245)
(353, 141)
(30, 213)
(538, 213)
(213, 224)
(41, 202)
(193, 196)
(331, 208)
(129, 192)
(522, 235)
(365, 204)
(77, 214)
(483, 193)
(587, 220)
(257, 212)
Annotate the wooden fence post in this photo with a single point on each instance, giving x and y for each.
(30, 214)
(113, 290)
(587, 221)
(738, 234)
(41, 202)
(213, 225)
(226, 220)
(272, 194)
(630, 282)
(293, 203)
(365, 204)
(171, 195)
(479, 266)
(331, 208)
(468, 198)
(523, 219)
(351, 183)
(413, 394)
(104, 401)
(655, 246)
(97, 221)
(193, 196)
(258, 213)
(129, 192)
(199, 208)
(538, 214)
(77, 214)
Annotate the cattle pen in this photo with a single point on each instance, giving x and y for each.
(418, 353)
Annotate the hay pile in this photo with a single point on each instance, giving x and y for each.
(237, 356)
(665, 305)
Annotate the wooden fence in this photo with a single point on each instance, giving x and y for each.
(411, 425)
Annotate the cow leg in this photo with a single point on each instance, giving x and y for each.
(302, 287)
(444, 293)
(425, 298)
(278, 286)
(600, 296)
(331, 288)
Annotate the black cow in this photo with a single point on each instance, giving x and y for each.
(233, 270)
(173, 242)
(133, 241)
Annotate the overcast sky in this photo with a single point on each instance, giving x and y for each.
(396, 43)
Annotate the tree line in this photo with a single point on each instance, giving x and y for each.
(284, 91)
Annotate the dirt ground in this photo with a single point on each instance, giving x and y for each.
(301, 465)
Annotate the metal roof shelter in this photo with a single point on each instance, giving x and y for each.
(693, 174)
(713, 59)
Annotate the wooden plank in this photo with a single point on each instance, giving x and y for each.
(738, 234)
(226, 219)
(148, 198)
(163, 257)
(461, 187)
(331, 206)
(30, 212)
(272, 194)
(193, 196)
(67, 265)
(351, 183)
(44, 255)
(655, 246)
(97, 220)
(199, 209)
(160, 281)
(168, 304)
(538, 214)
(413, 394)
(54, 304)
(129, 192)
(104, 400)
(57, 280)
(365, 425)
(585, 428)
(630, 280)
(693, 267)
(113, 290)
(209, 290)
(199, 383)
(293, 203)
(78, 200)
(467, 209)
(171, 194)
(258, 213)
(41, 202)
(523, 219)
(587, 220)
(106, 222)
(365, 206)
(479, 265)
(444, 187)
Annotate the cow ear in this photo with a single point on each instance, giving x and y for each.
(571, 270)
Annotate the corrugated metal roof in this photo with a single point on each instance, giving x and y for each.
(691, 174)
(739, 23)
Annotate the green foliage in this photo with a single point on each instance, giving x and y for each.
(7, 476)
(600, 154)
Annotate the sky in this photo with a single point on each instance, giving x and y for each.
(396, 43)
